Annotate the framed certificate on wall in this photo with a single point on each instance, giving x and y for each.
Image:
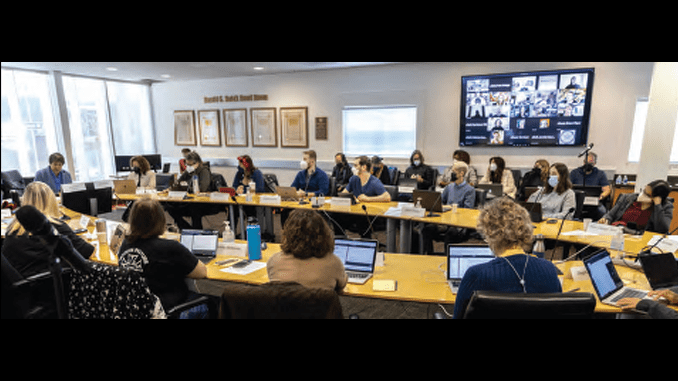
(263, 124)
(210, 130)
(294, 127)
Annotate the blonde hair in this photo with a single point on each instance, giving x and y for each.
(39, 195)
(505, 225)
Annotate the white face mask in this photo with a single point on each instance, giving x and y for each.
(493, 167)
(417, 162)
(643, 198)
(355, 171)
(190, 168)
(303, 165)
(553, 181)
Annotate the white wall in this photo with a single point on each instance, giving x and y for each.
(433, 87)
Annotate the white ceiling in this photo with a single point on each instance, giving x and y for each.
(181, 71)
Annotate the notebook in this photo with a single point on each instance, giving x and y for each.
(202, 243)
(462, 256)
(606, 281)
(358, 257)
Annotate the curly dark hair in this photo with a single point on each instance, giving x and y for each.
(306, 234)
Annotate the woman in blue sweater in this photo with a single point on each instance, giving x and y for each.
(508, 230)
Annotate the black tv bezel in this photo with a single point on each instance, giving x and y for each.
(586, 120)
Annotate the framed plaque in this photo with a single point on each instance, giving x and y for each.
(294, 127)
(235, 127)
(184, 128)
(210, 130)
(262, 122)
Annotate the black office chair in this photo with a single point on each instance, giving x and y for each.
(481, 197)
(278, 300)
(495, 305)
(579, 196)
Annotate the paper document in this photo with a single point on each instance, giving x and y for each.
(252, 267)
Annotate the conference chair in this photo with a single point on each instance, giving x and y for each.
(579, 196)
(278, 300)
(481, 197)
(495, 305)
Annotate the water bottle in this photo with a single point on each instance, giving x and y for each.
(617, 242)
(626, 180)
(254, 242)
(418, 204)
(539, 248)
(196, 185)
(618, 180)
(228, 235)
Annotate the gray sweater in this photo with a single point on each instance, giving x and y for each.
(554, 205)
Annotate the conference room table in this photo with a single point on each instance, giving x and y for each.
(420, 278)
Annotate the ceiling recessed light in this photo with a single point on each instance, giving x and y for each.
(111, 68)
(166, 76)
(258, 68)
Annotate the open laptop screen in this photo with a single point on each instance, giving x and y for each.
(603, 274)
(200, 242)
(356, 255)
(461, 258)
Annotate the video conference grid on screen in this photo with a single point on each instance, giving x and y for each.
(545, 108)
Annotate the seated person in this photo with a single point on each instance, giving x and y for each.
(141, 173)
(194, 166)
(365, 188)
(457, 192)
(182, 161)
(557, 197)
(507, 228)
(654, 308)
(471, 176)
(537, 177)
(247, 173)
(25, 253)
(164, 263)
(311, 181)
(380, 170)
(307, 255)
(498, 174)
(341, 171)
(420, 171)
(54, 175)
(590, 175)
(651, 210)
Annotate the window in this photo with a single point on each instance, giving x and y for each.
(88, 120)
(638, 133)
(383, 131)
(131, 118)
(29, 135)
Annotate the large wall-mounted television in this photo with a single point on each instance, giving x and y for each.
(535, 108)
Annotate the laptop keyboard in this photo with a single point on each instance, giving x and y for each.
(358, 275)
(629, 293)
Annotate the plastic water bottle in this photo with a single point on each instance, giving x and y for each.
(254, 242)
(617, 242)
(539, 248)
(196, 185)
(618, 180)
(626, 180)
(228, 235)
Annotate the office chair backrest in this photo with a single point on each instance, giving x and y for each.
(481, 197)
(579, 196)
(495, 305)
(278, 300)
(392, 190)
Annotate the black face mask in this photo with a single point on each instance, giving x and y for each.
(453, 177)
(588, 167)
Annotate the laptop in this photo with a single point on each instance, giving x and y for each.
(202, 243)
(287, 193)
(462, 256)
(534, 209)
(606, 281)
(407, 184)
(493, 190)
(592, 197)
(430, 200)
(125, 186)
(661, 270)
(358, 257)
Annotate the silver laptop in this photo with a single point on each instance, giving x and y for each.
(462, 256)
(358, 257)
(125, 186)
(202, 243)
(493, 190)
(606, 281)
(287, 193)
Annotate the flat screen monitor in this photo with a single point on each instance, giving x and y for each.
(79, 198)
(536, 108)
(122, 162)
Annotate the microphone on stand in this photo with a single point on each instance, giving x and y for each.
(586, 150)
(367, 215)
(560, 229)
(649, 248)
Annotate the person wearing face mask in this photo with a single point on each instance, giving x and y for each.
(364, 186)
(456, 192)
(498, 174)
(311, 181)
(341, 171)
(471, 176)
(556, 197)
(589, 175)
(537, 177)
(141, 174)
(380, 170)
(650, 210)
(196, 211)
(420, 171)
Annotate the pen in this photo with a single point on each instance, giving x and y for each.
(573, 290)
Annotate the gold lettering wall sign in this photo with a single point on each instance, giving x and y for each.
(236, 98)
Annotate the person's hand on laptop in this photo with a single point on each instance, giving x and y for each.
(631, 303)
